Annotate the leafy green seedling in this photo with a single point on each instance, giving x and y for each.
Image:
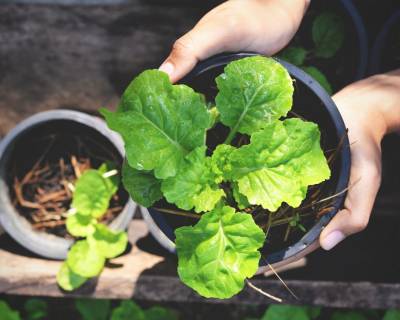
(328, 37)
(91, 199)
(164, 127)
(35, 309)
(129, 310)
(93, 309)
(288, 312)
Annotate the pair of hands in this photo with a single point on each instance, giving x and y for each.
(370, 108)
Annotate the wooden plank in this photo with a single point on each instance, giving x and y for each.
(144, 275)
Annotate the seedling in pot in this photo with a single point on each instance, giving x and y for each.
(327, 37)
(96, 243)
(260, 172)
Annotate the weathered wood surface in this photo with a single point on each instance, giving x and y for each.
(143, 275)
(80, 56)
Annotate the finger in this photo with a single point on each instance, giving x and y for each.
(203, 41)
(363, 187)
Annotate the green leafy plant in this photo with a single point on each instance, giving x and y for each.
(129, 310)
(327, 36)
(86, 258)
(7, 313)
(35, 309)
(288, 312)
(93, 309)
(164, 127)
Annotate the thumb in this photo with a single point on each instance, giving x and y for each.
(363, 187)
(203, 41)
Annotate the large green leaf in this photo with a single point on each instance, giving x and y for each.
(279, 163)
(93, 309)
(253, 92)
(194, 185)
(218, 253)
(92, 194)
(80, 225)
(294, 55)
(287, 312)
(6, 313)
(328, 34)
(142, 186)
(128, 310)
(107, 242)
(320, 77)
(68, 280)
(159, 122)
(85, 260)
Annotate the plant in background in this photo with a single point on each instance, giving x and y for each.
(164, 128)
(328, 37)
(96, 242)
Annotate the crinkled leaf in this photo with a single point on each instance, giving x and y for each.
(294, 55)
(128, 310)
(217, 254)
(85, 260)
(35, 309)
(220, 164)
(288, 312)
(68, 280)
(93, 309)
(280, 162)
(80, 225)
(253, 92)
(159, 122)
(320, 77)
(142, 186)
(159, 313)
(328, 34)
(194, 185)
(108, 242)
(92, 194)
(7, 313)
(392, 314)
(113, 181)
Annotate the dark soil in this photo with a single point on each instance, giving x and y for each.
(390, 56)
(43, 168)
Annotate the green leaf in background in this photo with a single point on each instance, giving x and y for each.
(194, 185)
(68, 280)
(113, 181)
(80, 225)
(159, 122)
(93, 309)
(240, 199)
(92, 194)
(287, 312)
(253, 92)
(216, 255)
(35, 309)
(348, 315)
(6, 313)
(294, 55)
(159, 313)
(142, 186)
(85, 260)
(128, 310)
(392, 314)
(107, 242)
(279, 163)
(320, 77)
(327, 34)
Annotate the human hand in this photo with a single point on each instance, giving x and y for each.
(370, 108)
(263, 26)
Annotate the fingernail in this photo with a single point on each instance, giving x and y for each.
(167, 67)
(332, 239)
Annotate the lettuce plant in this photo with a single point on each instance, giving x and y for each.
(86, 258)
(328, 36)
(164, 127)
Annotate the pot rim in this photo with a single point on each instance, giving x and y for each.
(42, 243)
(163, 232)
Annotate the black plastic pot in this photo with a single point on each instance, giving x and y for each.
(381, 43)
(322, 111)
(41, 243)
